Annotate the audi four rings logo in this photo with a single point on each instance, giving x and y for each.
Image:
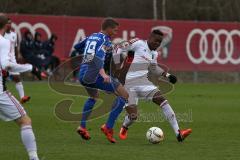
(216, 45)
(31, 28)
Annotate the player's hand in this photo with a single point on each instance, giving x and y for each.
(106, 78)
(172, 79)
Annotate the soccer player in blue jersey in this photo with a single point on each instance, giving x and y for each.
(93, 76)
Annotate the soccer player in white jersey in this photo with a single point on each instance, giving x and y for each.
(139, 86)
(10, 108)
(12, 36)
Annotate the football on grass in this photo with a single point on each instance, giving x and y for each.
(155, 135)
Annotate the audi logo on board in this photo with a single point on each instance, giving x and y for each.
(228, 45)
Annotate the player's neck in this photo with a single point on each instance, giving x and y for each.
(149, 46)
(104, 32)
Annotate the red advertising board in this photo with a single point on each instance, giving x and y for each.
(195, 46)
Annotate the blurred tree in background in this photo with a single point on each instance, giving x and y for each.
(207, 10)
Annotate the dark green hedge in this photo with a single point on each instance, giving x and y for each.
(208, 10)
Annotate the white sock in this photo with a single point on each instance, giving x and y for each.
(170, 116)
(127, 121)
(29, 141)
(19, 88)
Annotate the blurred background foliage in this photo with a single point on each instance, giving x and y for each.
(206, 10)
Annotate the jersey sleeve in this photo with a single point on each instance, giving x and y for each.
(134, 43)
(122, 49)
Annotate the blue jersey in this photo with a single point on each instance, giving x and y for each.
(94, 48)
(79, 47)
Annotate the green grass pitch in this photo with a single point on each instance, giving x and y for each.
(211, 110)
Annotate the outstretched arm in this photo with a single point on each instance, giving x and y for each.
(157, 70)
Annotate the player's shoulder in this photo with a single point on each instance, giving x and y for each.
(104, 37)
(137, 42)
(3, 39)
(98, 36)
(134, 40)
(13, 34)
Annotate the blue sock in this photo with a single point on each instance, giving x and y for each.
(116, 110)
(87, 109)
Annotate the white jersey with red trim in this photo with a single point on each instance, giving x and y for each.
(4, 57)
(12, 37)
(143, 56)
(10, 108)
(6, 64)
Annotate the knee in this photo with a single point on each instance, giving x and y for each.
(133, 116)
(121, 91)
(126, 95)
(158, 99)
(16, 79)
(24, 121)
(93, 100)
(94, 97)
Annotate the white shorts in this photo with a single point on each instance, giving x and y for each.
(140, 88)
(10, 108)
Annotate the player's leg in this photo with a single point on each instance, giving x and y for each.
(28, 137)
(115, 87)
(89, 104)
(11, 110)
(170, 115)
(121, 91)
(167, 110)
(136, 89)
(130, 117)
(87, 109)
(131, 108)
(20, 68)
(117, 106)
(122, 95)
(19, 87)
